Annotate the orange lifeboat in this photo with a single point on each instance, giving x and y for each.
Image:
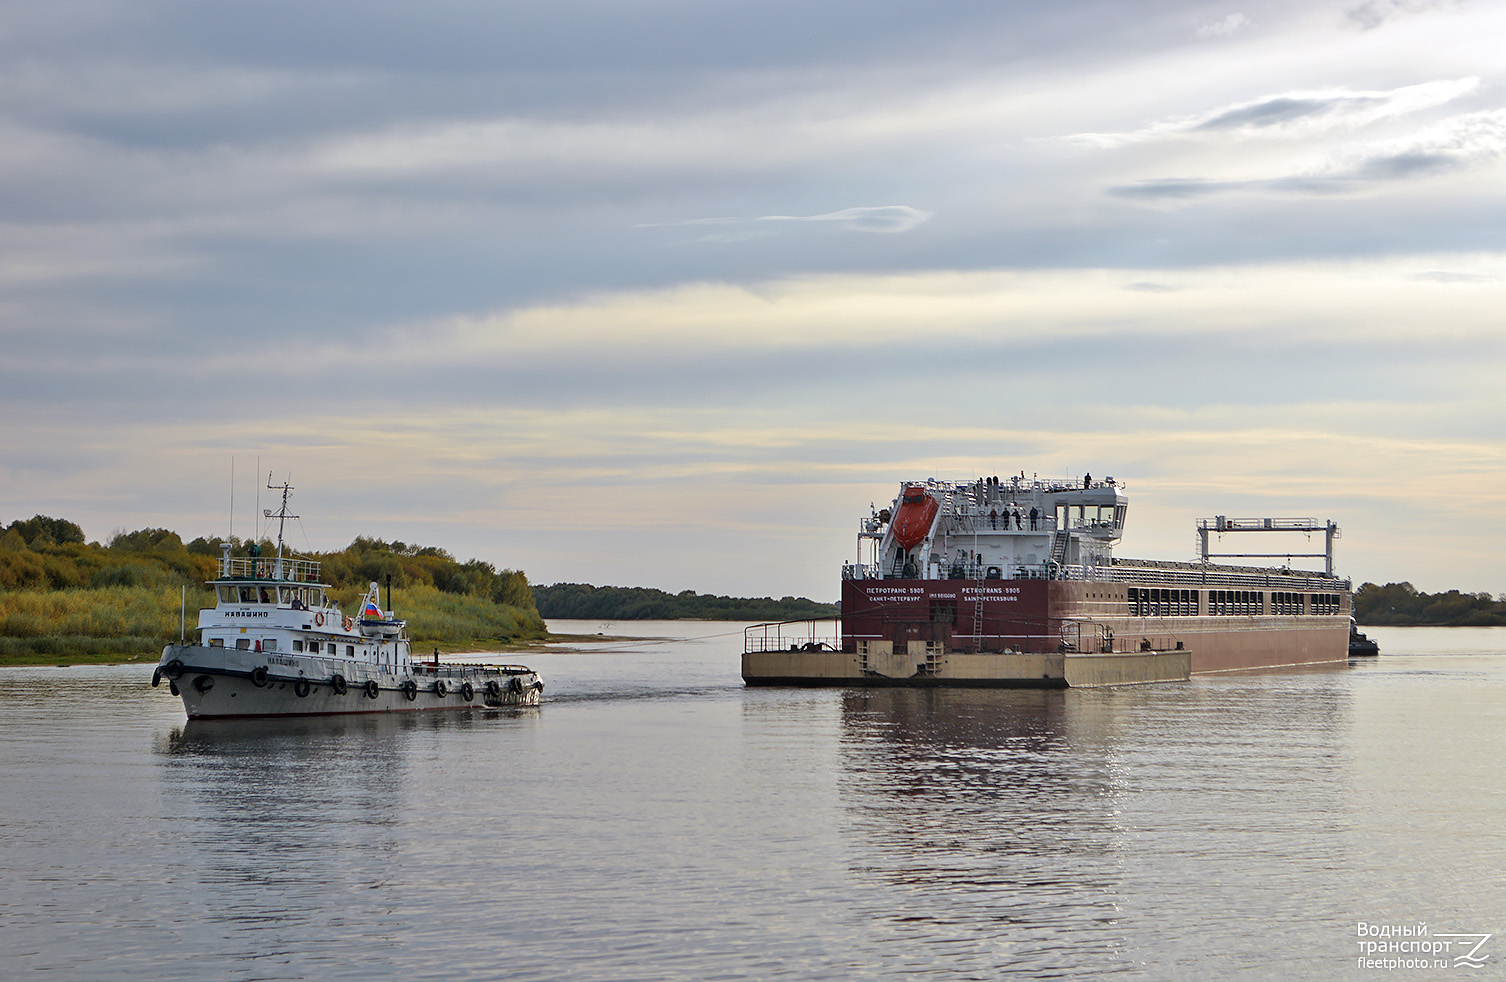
(917, 510)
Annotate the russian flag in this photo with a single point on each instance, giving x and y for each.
(371, 612)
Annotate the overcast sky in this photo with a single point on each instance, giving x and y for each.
(666, 293)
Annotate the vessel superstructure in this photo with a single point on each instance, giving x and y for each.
(276, 644)
(1014, 581)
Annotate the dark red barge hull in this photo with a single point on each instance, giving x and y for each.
(1038, 615)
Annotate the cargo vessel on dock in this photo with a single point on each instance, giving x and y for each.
(275, 644)
(1013, 582)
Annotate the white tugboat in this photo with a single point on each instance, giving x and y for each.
(275, 645)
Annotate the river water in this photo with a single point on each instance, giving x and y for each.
(655, 820)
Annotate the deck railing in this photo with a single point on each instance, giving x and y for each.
(1216, 577)
(1192, 575)
(287, 569)
(815, 635)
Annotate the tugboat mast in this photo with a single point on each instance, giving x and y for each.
(282, 516)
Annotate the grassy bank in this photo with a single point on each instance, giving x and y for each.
(84, 626)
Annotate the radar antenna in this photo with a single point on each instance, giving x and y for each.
(282, 517)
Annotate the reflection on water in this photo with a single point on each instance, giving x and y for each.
(1042, 830)
(978, 794)
(317, 812)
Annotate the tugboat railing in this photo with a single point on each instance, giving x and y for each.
(271, 568)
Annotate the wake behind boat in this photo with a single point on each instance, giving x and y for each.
(274, 644)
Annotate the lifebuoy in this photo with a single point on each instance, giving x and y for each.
(337, 682)
(259, 676)
(350, 622)
(467, 691)
(301, 687)
(204, 683)
(318, 620)
(410, 689)
(173, 670)
(440, 688)
(372, 689)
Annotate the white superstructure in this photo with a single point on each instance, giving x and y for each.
(992, 528)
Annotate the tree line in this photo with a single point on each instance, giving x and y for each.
(1398, 604)
(60, 594)
(582, 600)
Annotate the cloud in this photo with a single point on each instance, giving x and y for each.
(1293, 113)
(886, 219)
(1230, 25)
(1281, 111)
(469, 191)
(644, 338)
(1373, 13)
(883, 218)
(1455, 144)
(1445, 276)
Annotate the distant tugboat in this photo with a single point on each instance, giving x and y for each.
(275, 645)
(1359, 645)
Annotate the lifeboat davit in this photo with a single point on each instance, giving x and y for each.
(917, 511)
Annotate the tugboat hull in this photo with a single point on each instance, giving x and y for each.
(213, 686)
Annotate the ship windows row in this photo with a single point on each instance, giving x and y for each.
(270, 644)
(1159, 602)
(1235, 601)
(298, 598)
(313, 647)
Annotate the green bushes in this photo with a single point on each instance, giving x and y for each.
(85, 624)
(1402, 603)
(62, 597)
(456, 620)
(131, 574)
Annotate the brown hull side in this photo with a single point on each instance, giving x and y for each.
(1030, 615)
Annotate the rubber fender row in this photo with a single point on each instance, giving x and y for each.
(259, 676)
